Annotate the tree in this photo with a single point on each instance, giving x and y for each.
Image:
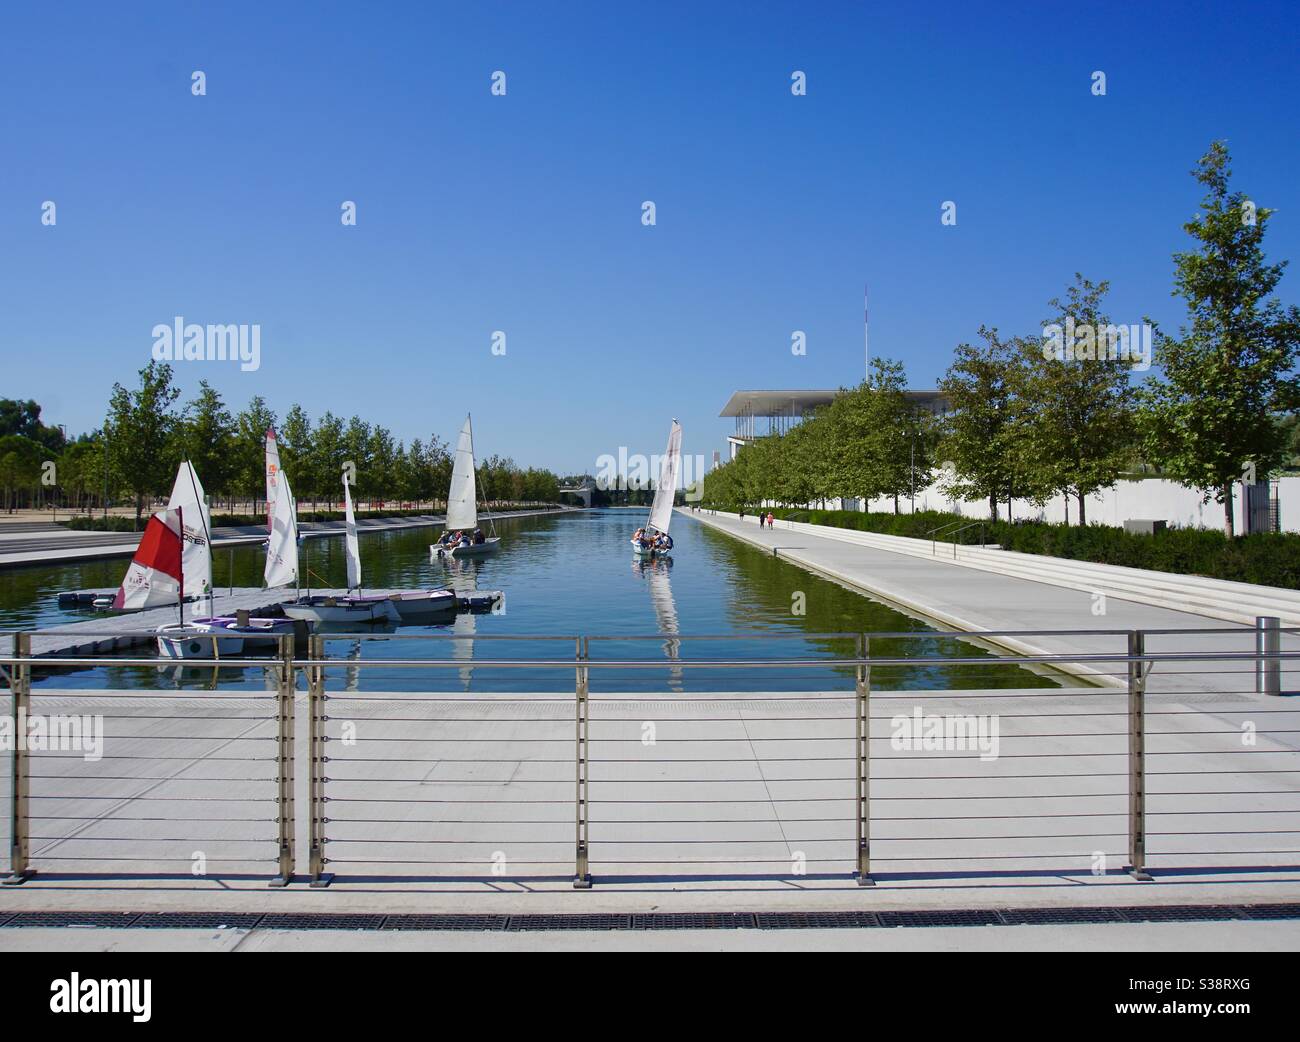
(1076, 412)
(981, 439)
(1228, 375)
(249, 449)
(140, 426)
(207, 440)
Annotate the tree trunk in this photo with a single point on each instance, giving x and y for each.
(139, 509)
(1083, 511)
(1066, 497)
(895, 502)
(993, 506)
(1228, 520)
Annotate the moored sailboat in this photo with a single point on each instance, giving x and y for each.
(210, 634)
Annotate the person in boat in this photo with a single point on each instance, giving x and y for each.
(479, 537)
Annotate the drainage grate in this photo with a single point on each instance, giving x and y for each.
(195, 921)
(569, 922)
(656, 920)
(816, 920)
(107, 919)
(446, 922)
(694, 921)
(329, 921)
(1060, 916)
(1290, 911)
(1179, 914)
(979, 917)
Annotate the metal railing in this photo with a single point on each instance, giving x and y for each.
(954, 529)
(590, 782)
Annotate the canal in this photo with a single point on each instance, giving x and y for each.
(563, 575)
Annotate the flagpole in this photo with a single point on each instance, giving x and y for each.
(866, 343)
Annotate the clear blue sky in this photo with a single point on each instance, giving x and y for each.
(522, 213)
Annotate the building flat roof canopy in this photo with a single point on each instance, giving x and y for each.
(787, 403)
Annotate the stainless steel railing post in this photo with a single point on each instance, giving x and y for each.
(20, 682)
(316, 736)
(1268, 644)
(1137, 781)
(284, 763)
(581, 872)
(863, 714)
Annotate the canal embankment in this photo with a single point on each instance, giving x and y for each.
(952, 593)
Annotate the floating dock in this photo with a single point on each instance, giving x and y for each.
(107, 633)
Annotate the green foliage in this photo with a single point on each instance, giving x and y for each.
(1267, 559)
(1228, 374)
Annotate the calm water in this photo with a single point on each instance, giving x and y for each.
(564, 575)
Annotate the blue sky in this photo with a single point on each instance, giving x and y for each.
(523, 213)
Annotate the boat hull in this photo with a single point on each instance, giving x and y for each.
(416, 605)
(335, 610)
(220, 637)
(488, 546)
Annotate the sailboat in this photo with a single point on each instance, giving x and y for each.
(356, 607)
(654, 540)
(154, 576)
(462, 506)
(208, 634)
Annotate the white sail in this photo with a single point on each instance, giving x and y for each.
(282, 550)
(187, 494)
(272, 473)
(350, 539)
(154, 575)
(462, 510)
(661, 511)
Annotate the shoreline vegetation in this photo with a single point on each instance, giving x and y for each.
(1034, 418)
(1265, 559)
(133, 457)
(120, 523)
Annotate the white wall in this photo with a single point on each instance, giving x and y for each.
(1153, 498)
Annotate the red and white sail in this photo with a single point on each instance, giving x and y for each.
(154, 576)
(272, 475)
(187, 493)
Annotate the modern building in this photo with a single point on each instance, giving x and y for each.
(783, 409)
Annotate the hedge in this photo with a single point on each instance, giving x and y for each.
(1267, 559)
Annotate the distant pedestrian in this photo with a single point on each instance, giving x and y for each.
(770, 519)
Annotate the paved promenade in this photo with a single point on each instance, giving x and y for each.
(953, 597)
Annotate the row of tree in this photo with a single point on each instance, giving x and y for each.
(147, 432)
(1021, 425)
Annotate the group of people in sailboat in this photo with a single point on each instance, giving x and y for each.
(652, 539)
(461, 538)
(660, 542)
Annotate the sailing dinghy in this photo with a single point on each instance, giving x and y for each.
(356, 607)
(206, 635)
(462, 506)
(654, 540)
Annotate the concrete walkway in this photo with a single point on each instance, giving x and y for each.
(953, 597)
